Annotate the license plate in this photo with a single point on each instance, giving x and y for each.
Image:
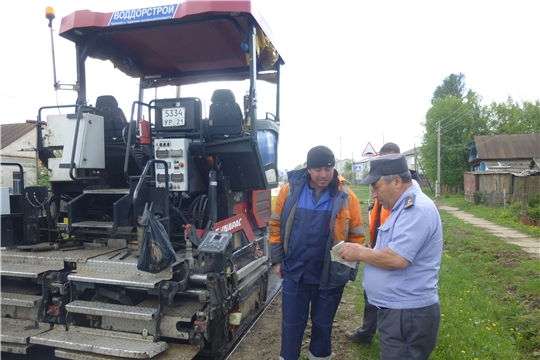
(173, 116)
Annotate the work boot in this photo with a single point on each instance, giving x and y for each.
(354, 337)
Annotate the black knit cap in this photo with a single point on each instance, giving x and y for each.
(320, 156)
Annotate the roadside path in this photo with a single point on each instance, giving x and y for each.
(529, 243)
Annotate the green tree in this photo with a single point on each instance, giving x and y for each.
(348, 172)
(461, 116)
(43, 177)
(364, 173)
(453, 86)
(511, 117)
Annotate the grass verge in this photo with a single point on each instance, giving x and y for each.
(489, 292)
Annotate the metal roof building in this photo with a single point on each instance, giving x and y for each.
(511, 153)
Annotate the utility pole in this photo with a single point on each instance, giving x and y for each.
(340, 158)
(438, 186)
(353, 168)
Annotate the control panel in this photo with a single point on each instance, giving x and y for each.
(175, 153)
(215, 242)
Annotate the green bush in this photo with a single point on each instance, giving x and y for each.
(533, 212)
(534, 201)
(515, 208)
(477, 197)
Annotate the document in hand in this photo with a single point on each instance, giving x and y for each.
(335, 256)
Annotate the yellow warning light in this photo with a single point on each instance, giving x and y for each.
(49, 13)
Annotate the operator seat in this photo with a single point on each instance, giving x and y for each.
(225, 117)
(114, 120)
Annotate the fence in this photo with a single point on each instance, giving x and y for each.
(499, 188)
(450, 189)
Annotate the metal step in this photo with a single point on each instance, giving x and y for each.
(101, 342)
(107, 191)
(133, 280)
(21, 300)
(119, 270)
(174, 352)
(18, 331)
(25, 271)
(27, 264)
(93, 224)
(15, 348)
(113, 310)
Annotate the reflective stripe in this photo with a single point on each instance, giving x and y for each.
(357, 231)
(275, 216)
(345, 235)
(288, 228)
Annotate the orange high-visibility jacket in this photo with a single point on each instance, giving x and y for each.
(384, 214)
(349, 225)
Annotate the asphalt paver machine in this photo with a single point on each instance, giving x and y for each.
(203, 170)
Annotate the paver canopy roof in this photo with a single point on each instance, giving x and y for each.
(189, 42)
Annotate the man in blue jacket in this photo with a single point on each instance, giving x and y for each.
(313, 212)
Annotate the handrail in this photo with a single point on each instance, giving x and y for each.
(148, 166)
(131, 135)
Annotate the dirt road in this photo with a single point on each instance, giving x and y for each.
(264, 340)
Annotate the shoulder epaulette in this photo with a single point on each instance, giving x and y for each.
(410, 201)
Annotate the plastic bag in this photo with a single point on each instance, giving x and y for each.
(157, 253)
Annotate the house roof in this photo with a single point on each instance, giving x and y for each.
(412, 151)
(518, 146)
(9, 133)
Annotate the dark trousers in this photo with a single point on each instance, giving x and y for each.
(366, 332)
(408, 334)
(296, 300)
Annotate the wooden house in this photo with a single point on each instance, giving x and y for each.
(504, 167)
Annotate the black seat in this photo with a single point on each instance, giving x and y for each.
(225, 117)
(114, 120)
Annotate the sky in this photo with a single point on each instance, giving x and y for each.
(356, 72)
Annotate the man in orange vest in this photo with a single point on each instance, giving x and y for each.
(365, 333)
